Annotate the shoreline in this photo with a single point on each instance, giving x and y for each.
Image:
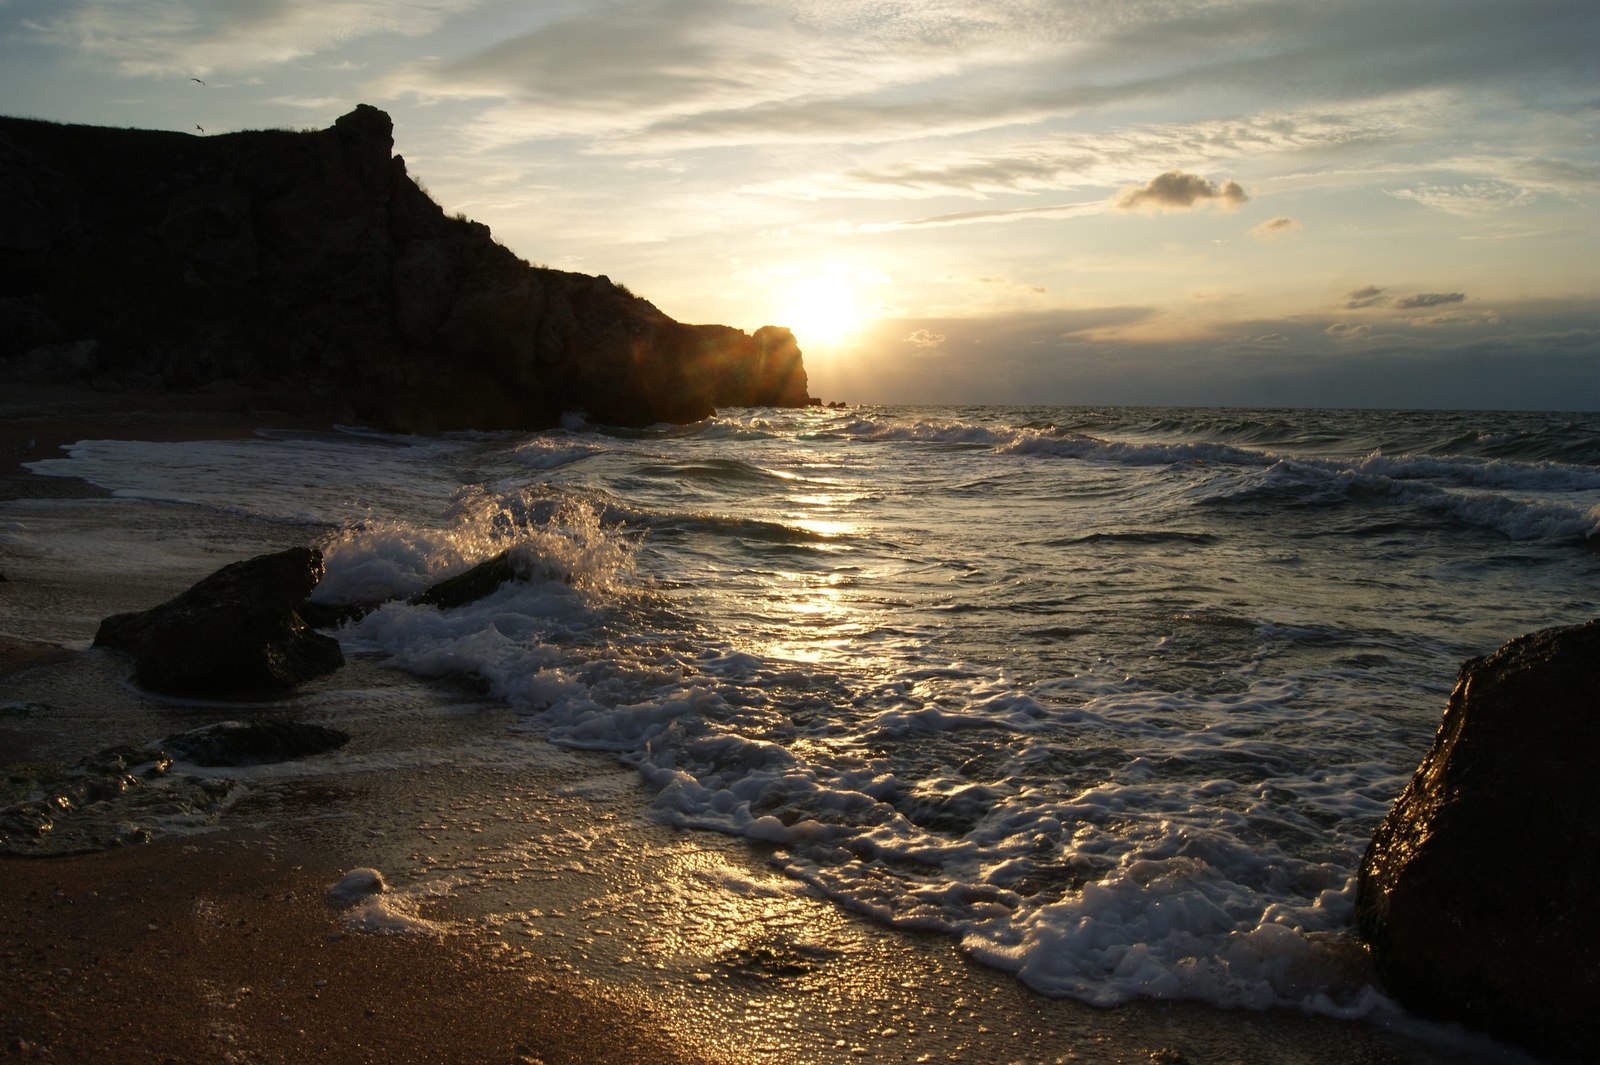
(36, 421)
(521, 975)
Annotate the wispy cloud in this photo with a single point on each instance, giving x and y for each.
(1373, 296)
(1477, 198)
(1370, 296)
(964, 218)
(1105, 159)
(201, 37)
(1428, 299)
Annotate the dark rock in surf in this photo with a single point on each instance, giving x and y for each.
(234, 743)
(512, 564)
(236, 632)
(470, 586)
(1477, 894)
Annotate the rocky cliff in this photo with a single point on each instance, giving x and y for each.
(307, 270)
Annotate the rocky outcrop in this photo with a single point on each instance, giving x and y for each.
(310, 272)
(1477, 894)
(236, 632)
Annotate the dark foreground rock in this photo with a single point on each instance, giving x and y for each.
(1478, 893)
(236, 632)
(307, 272)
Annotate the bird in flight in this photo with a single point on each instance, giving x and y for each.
(198, 80)
(202, 129)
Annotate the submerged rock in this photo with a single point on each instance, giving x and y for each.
(1477, 894)
(230, 743)
(118, 796)
(236, 632)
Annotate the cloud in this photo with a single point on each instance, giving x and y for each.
(1030, 62)
(171, 37)
(964, 218)
(1273, 228)
(924, 338)
(1468, 199)
(1347, 331)
(1111, 157)
(1263, 342)
(1371, 296)
(1178, 191)
(1429, 299)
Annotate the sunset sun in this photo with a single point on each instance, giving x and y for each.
(821, 309)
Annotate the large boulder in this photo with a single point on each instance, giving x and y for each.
(239, 631)
(1478, 893)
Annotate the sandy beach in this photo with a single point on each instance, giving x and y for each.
(530, 923)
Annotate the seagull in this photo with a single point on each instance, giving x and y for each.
(202, 129)
(197, 80)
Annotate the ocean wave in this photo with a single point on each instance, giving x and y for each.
(1311, 485)
(551, 452)
(564, 538)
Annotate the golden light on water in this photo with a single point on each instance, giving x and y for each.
(817, 621)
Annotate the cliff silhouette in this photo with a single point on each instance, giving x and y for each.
(309, 271)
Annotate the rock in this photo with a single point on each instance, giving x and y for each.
(310, 273)
(233, 743)
(512, 564)
(236, 632)
(1478, 892)
(470, 586)
(115, 797)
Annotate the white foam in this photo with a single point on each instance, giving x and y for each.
(358, 884)
(392, 559)
(373, 906)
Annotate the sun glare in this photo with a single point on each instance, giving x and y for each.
(821, 310)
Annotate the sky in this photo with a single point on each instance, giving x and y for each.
(1373, 203)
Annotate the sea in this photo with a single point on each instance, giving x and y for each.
(1110, 698)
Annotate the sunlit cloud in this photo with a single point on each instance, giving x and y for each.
(1178, 191)
(1274, 228)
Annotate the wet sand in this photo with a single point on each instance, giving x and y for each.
(579, 931)
(227, 949)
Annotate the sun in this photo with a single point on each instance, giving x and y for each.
(821, 309)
